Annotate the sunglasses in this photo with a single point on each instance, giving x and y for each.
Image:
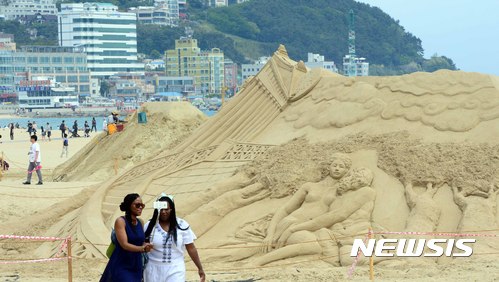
(139, 206)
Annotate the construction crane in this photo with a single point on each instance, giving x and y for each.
(351, 34)
(351, 58)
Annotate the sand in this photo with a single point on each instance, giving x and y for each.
(409, 153)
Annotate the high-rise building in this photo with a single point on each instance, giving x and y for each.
(108, 36)
(13, 10)
(230, 76)
(206, 67)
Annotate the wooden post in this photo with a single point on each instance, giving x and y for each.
(70, 261)
(371, 259)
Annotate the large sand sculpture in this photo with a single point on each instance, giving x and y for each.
(302, 155)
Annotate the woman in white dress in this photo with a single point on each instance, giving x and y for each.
(170, 237)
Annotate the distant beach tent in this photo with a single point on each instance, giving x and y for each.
(142, 117)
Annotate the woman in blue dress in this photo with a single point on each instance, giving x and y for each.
(125, 264)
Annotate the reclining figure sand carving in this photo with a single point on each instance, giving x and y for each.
(348, 217)
(479, 207)
(311, 200)
(221, 201)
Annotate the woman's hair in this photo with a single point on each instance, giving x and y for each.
(126, 205)
(172, 230)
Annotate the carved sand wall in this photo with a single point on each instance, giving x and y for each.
(259, 179)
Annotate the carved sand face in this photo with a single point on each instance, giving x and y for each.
(360, 177)
(337, 169)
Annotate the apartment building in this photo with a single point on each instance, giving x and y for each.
(164, 12)
(108, 36)
(13, 10)
(67, 65)
(355, 66)
(205, 67)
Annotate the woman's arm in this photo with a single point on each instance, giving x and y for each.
(193, 253)
(119, 228)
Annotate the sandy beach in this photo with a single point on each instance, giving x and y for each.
(6, 116)
(281, 182)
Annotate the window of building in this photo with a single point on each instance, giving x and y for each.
(68, 60)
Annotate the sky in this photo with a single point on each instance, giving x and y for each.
(466, 31)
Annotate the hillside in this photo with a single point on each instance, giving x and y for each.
(255, 28)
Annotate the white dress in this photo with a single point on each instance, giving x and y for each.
(166, 259)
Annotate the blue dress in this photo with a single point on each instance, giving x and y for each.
(125, 266)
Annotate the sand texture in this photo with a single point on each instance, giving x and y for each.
(297, 165)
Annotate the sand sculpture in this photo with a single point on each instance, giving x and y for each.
(418, 144)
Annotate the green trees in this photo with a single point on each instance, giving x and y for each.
(46, 34)
(320, 26)
(438, 62)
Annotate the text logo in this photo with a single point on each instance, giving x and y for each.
(413, 247)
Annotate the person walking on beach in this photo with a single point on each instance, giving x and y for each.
(65, 145)
(86, 129)
(125, 263)
(11, 127)
(170, 236)
(94, 125)
(35, 127)
(30, 128)
(62, 128)
(49, 130)
(75, 129)
(104, 124)
(35, 158)
(43, 132)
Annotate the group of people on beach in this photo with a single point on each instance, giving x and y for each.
(154, 251)
(74, 129)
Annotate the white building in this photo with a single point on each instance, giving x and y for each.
(318, 61)
(43, 92)
(220, 3)
(252, 69)
(108, 36)
(164, 12)
(354, 66)
(217, 3)
(21, 8)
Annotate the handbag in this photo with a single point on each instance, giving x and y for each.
(112, 246)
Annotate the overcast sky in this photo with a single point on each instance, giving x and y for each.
(467, 31)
